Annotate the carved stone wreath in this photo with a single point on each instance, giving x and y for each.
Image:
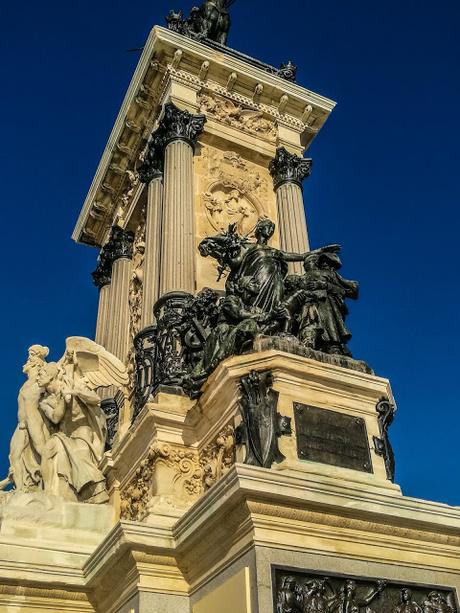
(228, 202)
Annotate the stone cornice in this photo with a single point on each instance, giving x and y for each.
(164, 58)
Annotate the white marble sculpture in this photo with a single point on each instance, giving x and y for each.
(61, 435)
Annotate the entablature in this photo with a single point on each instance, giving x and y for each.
(173, 67)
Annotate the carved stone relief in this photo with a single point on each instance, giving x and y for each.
(137, 279)
(234, 190)
(218, 457)
(228, 112)
(169, 478)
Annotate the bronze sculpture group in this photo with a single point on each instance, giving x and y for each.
(323, 595)
(210, 20)
(194, 334)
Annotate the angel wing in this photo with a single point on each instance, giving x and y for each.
(100, 368)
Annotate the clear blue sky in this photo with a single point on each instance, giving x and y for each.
(385, 184)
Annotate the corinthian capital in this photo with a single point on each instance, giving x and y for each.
(152, 165)
(102, 276)
(120, 244)
(180, 125)
(289, 168)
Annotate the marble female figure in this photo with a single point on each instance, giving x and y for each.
(32, 432)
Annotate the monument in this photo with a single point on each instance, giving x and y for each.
(216, 447)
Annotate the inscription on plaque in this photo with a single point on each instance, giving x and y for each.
(333, 438)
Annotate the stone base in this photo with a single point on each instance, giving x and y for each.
(290, 344)
(44, 544)
(198, 531)
(224, 552)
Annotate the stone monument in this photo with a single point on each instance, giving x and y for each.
(217, 447)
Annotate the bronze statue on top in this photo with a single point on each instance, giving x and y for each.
(210, 20)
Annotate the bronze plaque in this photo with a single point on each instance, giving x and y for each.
(298, 590)
(333, 438)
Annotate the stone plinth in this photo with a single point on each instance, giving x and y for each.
(44, 544)
(197, 525)
(177, 448)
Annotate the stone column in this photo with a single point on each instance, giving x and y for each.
(178, 133)
(151, 173)
(102, 278)
(288, 172)
(120, 252)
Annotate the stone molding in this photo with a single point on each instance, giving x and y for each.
(289, 168)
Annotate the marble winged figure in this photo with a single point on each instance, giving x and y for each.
(73, 424)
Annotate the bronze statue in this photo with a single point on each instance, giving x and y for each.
(322, 318)
(211, 20)
(189, 341)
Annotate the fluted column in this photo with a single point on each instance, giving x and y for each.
(120, 252)
(151, 173)
(178, 133)
(178, 248)
(288, 172)
(102, 278)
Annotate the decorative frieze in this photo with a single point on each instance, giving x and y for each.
(296, 592)
(289, 168)
(248, 120)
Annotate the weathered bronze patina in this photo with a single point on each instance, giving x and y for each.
(298, 591)
(194, 334)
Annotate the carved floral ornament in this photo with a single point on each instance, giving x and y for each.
(193, 473)
(184, 489)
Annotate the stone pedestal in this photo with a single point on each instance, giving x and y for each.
(200, 531)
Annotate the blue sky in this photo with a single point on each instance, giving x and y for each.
(385, 184)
